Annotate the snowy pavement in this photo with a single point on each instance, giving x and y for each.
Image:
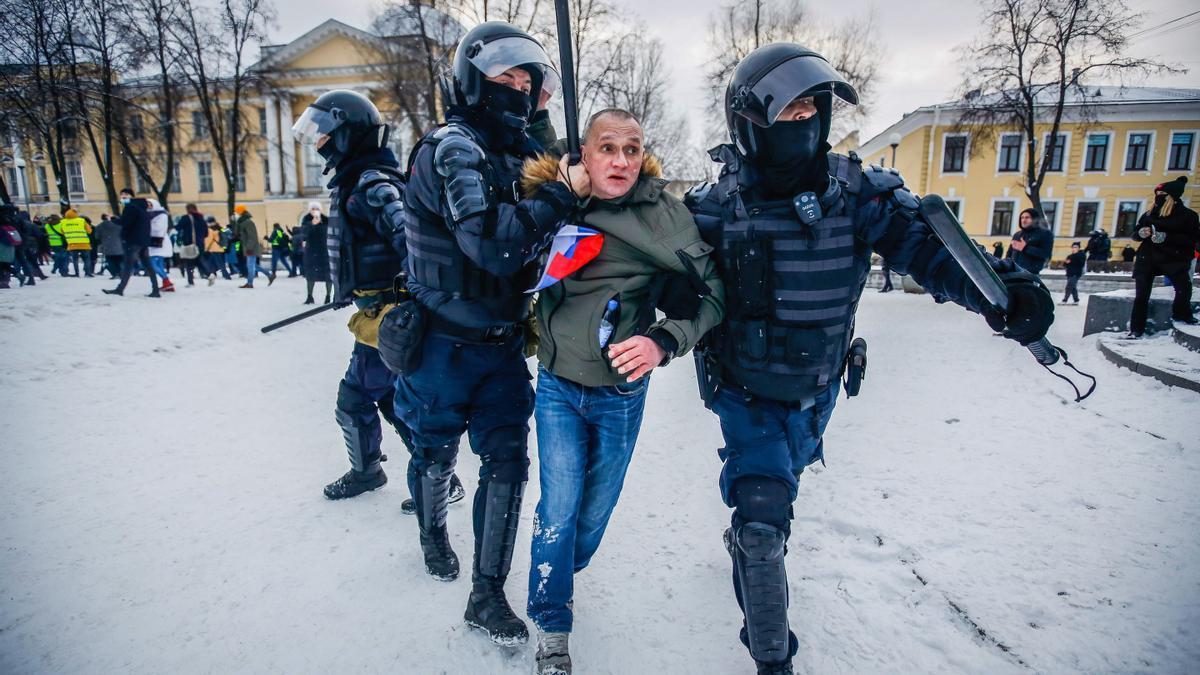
(162, 511)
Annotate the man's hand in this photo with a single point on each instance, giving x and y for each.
(637, 356)
(543, 99)
(575, 177)
(1018, 244)
(1030, 309)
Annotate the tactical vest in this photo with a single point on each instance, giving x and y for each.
(360, 258)
(436, 262)
(792, 287)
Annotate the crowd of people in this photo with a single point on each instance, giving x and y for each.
(144, 240)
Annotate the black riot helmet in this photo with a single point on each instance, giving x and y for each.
(770, 78)
(350, 121)
(491, 48)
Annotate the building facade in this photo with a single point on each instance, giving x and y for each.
(277, 176)
(1102, 174)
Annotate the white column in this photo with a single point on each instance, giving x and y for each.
(288, 143)
(274, 178)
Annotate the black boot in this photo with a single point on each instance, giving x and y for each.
(497, 511)
(112, 291)
(409, 506)
(433, 491)
(309, 300)
(761, 588)
(354, 483)
(780, 668)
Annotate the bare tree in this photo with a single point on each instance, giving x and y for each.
(735, 29)
(215, 50)
(147, 128)
(1028, 65)
(32, 82)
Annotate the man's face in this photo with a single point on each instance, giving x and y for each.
(517, 78)
(1074, 248)
(612, 155)
(799, 109)
(1026, 220)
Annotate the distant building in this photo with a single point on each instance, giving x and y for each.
(278, 177)
(1102, 179)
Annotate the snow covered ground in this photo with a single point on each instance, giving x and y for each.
(162, 511)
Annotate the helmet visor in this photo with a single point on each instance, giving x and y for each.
(315, 123)
(763, 101)
(495, 57)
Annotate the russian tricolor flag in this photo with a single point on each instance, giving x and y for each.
(574, 246)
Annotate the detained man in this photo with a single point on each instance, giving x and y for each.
(599, 342)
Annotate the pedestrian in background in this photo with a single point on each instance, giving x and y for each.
(247, 234)
(192, 233)
(214, 251)
(314, 227)
(161, 249)
(76, 232)
(58, 245)
(1170, 233)
(1033, 243)
(1074, 268)
(135, 234)
(280, 251)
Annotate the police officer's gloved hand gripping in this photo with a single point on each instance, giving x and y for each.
(1030, 308)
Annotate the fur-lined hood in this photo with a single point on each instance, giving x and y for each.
(544, 169)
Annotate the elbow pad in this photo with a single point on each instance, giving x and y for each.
(458, 159)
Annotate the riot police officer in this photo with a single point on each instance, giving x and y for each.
(366, 252)
(471, 241)
(794, 226)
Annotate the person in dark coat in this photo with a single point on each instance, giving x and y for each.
(1170, 233)
(1032, 244)
(1128, 253)
(1074, 268)
(998, 250)
(192, 232)
(29, 248)
(1099, 246)
(135, 234)
(313, 229)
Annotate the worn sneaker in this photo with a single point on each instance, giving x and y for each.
(552, 655)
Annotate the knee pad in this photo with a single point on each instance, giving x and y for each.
(352, 400)
(440, 455)
(505, 458)
(757, 499)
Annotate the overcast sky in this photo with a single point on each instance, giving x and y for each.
(919, 67)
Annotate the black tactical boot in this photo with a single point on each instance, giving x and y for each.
(409, 507)
(433, 488)
(780, 668)
(497, 511)
(354, 483)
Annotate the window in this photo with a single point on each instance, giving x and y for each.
(204, 172)
(1180, 156)
(199, 125)
(1002, 217)
(74, 176)
(954, 154)
(43, 184)
(1096, 157)
(67, 130)
(1010, 152)
(955, 207)
(1086, 218)
(1055, 152)
(1137, 154)
(143, 185)
(262, 120)
(1127, 216)
(137, 130)
(239, 175)
(176, 178)
(314, 164)
(1050, 212)
(16, 182)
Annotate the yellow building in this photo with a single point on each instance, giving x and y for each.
(278, 176)
(1103, 178)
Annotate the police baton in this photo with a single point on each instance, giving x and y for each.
(301, 316)
(566, 62)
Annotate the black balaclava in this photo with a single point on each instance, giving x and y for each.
(510, 107)
(791, 158)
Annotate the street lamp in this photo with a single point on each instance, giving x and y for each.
(894, 141)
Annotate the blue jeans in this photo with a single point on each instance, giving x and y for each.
(252, 269)
(585, 442)
(156, 261)
(87, 261)
(60, 257)
(216, 263)
(231, 259)
(280, 256)
(770, 438)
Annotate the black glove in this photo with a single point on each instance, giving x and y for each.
(400, 334)
(1030, 309)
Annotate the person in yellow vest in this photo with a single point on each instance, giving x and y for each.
(58, 245)
(75, 231)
